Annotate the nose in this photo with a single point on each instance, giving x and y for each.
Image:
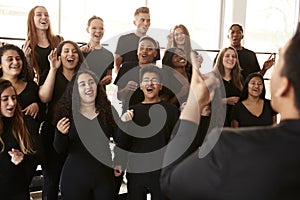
(15, 61)
(11, 102)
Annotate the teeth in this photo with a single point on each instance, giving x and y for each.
(70, 59)
(89, 92)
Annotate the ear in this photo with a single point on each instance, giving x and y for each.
(284, 88)
(161, 86)
(87, 29)
(155, 54)
(134, 22)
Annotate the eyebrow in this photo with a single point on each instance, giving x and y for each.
(91, 79)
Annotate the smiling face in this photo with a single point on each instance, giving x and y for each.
(8, 102)
(151, 86)
(142, 22)
(69, 56)
(255, 87)
(179, 36)
(41, 18)
(229, 59)
(87, 89)
(146, 52)
(96, 30)
(179, 59)
(11, 64)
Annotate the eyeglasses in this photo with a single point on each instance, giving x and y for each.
(154, 81)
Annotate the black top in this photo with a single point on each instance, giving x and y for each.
(60, 86)
(29, 95)
(230, 91)
(252, 163)
(13, 178)
(127, 48)
(248, 62)
(84, 135)
(146, 139)
(99, 61)
(42, 58)
(129, 72)
(245, 118)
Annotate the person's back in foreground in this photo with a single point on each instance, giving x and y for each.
(256, 163)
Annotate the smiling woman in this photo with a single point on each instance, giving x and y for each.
(65, 61)
(16, 146)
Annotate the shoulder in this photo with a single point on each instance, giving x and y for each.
(245, 50)
(105, 50)
(232, 138)
(126, 36)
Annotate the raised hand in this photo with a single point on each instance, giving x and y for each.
(55, 61)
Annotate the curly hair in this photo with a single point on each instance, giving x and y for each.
(24, 75)
(69, 104)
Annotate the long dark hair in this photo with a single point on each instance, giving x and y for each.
(24, 75)
(103, 106)
(81, 60)
(245, 92)
(169, 53)
(19, 129)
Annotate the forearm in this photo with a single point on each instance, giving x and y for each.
(46, 90)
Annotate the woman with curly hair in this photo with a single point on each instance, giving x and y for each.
(13, 67)
(16, 145)
(84, 125)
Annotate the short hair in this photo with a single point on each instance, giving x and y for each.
(149, 39)
(238, 25)
(141, 10)
(151, 68)
(92, 18)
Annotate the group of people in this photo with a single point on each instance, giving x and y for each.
(55, 113)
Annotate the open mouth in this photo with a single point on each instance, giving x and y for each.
(149, 89)
(182, 60)
(89, 93)
(10, 109)
(70, 60)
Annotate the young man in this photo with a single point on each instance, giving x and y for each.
(247, 58)
(147, 135)
(127, 45)
(254, 163)
(128, 77)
